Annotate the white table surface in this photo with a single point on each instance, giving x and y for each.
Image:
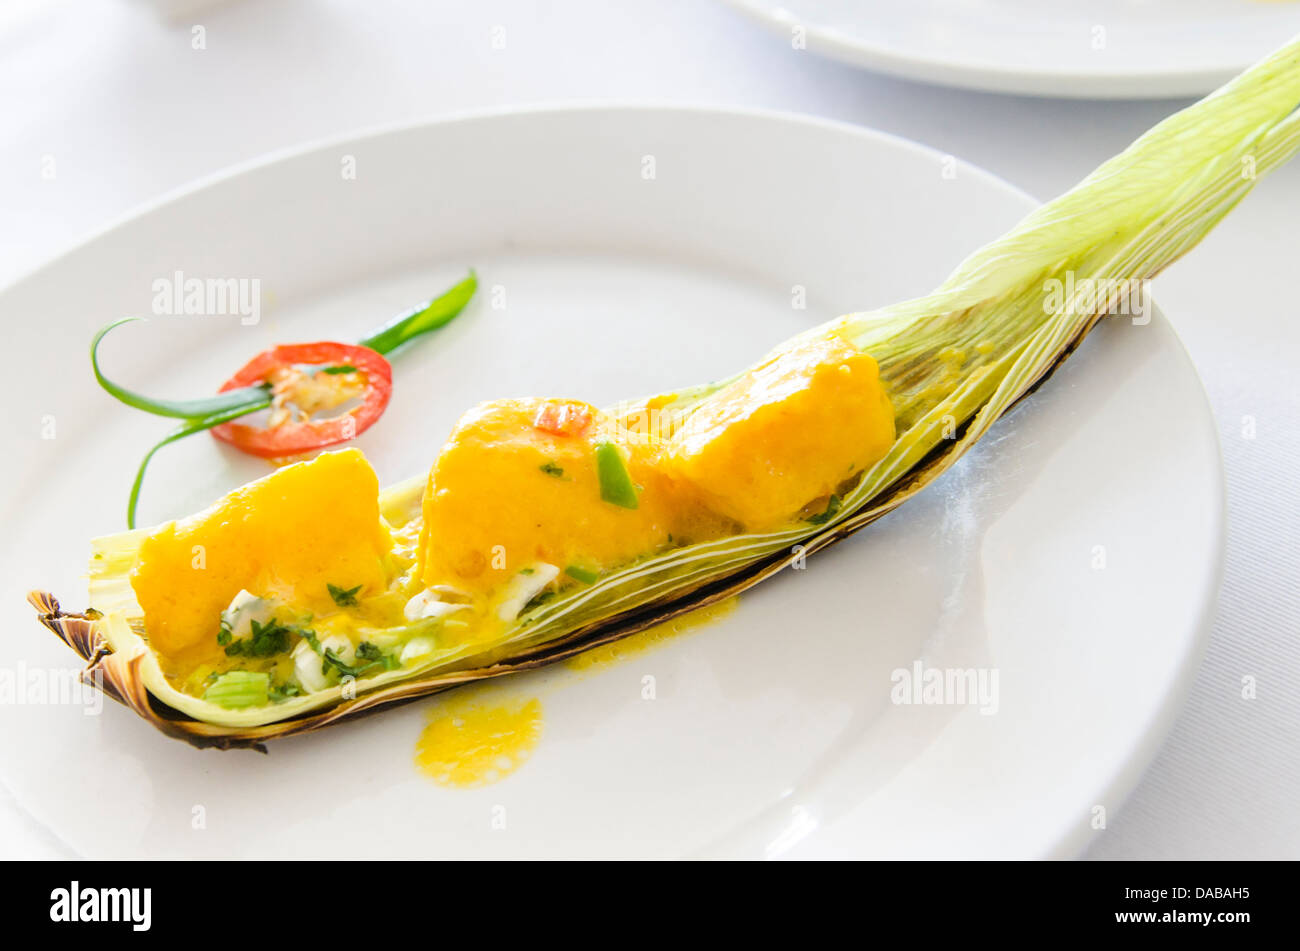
(128, 110)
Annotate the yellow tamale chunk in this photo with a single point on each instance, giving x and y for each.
(287, 536)
(785, 433)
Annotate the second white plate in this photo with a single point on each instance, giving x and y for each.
(1087, 49)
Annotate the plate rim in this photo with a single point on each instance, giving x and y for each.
(1144, 746)
(646, 105)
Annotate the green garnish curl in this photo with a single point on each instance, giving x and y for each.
(248, 399)
(187, 428)
(430, 315)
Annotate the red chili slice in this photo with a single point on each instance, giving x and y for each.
(292, 436)
(563, 419)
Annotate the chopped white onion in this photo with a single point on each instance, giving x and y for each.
(245, 608)
(341, 646)
(307, 666)
(449, 593)
(523, 587)
(429, 604)
(416, 648)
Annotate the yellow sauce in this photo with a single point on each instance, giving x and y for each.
(469, 742)
(651, 638)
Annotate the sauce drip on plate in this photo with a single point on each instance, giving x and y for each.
(651, 637)
(471, 742)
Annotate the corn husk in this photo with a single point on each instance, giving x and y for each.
(954, 362)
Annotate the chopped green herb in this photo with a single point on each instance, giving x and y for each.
(278, 693)
(551, 469)
(525, 571)
(332, 661)
(344, 597)
(343, 667)
(368, 651)
(832, 507)
(581, 574)
(616, 485)
(336, 370)
(267, 639)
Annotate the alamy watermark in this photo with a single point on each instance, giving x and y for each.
(945, 686)
(52, 686)
(77, 903)
(178, 295)
(1107, 296)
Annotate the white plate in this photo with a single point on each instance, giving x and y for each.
(1093, 49)
(773, 731)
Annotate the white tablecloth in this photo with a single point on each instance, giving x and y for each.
(123, 108)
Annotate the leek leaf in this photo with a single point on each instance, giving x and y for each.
(428, 316)
(187, 428)
(249, 398)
